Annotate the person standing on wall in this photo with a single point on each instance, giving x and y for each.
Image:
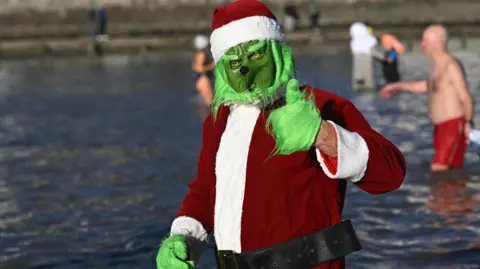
(291, 17)
(314, 14)
(102, 22)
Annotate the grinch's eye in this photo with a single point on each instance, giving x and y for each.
(235, 63)
(256, 56)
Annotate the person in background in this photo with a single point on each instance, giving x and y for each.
(362, 45)
(291, 18)
(94, 31)
(92, 23)
(370, 29)
(314, 14)
(203, 65)
(102, 22)
(449, 100)
(393, 49)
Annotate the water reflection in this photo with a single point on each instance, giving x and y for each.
(199, 108)
(451, 196)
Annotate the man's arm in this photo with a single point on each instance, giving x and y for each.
(362, 155)
(459, 84)
(195, 216)
(414, 86)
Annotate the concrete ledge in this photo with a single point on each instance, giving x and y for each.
(328, 40)
(85, 46)
(301, 44)
(187, 18)
(148, 28)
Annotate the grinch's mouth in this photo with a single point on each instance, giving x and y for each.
(250, 88)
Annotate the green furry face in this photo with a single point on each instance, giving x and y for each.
(249, 65)
(267, 76)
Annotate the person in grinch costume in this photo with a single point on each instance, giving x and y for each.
(275, 160)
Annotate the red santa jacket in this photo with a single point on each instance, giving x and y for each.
(251, 200)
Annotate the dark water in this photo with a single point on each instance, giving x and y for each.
(95, 158)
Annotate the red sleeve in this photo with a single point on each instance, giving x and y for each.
(386, 165)
(197, 202)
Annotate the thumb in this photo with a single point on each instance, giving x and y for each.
(292, 93)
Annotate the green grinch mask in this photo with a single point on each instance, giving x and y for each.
(253, 72)
(249, 65)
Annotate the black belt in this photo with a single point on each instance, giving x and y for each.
(300, 253)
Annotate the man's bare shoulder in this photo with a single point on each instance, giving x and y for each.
(453, 64)
(455, 71)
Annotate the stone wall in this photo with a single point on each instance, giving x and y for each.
(68, 18)
(7, 6)
(66, 11)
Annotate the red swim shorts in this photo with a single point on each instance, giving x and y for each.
(450, 143)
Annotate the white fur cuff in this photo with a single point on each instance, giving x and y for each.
(352, 159)
(189, 226)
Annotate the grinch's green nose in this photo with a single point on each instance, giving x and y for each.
(244, 70)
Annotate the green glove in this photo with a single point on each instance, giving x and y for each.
(173, 254)
(296, 124)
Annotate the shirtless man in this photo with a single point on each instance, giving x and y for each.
(449, 101)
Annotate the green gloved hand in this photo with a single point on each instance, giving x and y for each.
(296, 124)
(173, 254)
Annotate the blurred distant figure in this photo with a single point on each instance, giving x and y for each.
(94, 31)
(449, 101)
(370, 30)
(203, 65)
(101, 27)
(314, 14)
(92, 23)
(378, 56)
(362, 45)
(291, 18)
(393, 49)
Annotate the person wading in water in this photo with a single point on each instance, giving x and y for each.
(203, 65)
(449, 101)
(393, 49)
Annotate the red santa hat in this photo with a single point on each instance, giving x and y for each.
(242, 21)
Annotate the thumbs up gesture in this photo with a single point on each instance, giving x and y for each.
(295, 126)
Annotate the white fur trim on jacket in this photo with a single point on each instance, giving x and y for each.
(231, 172)
(243, 30)
(189, 226)
(352, 159)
